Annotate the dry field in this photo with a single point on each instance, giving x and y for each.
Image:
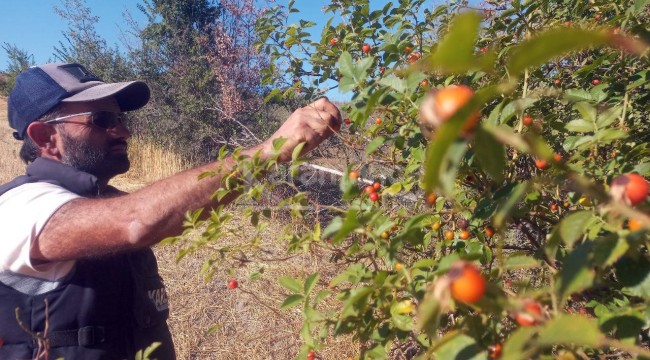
(249, 323)
(10, 164)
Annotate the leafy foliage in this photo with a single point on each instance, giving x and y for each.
(578, 69)
(19, 60)
(84, 45)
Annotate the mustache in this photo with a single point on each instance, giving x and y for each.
(117, 142)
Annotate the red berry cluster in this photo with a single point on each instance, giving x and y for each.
(371, 190)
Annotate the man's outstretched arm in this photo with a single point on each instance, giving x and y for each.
(85, 228)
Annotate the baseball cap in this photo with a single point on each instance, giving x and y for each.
(41, 88)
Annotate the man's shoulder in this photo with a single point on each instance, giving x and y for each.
(32, 191)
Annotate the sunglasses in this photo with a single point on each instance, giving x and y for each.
(102, 119)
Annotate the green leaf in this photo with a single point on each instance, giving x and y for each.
(307, 24)
(376, 352)
(506, 135)
(312, 315)
(255, 218)
(574, 226)
(345, 65)
(414, 79)
(297, 150)
(571, 330)
(438, 163)
(516, 195)
(350, 223)
(354, 274)
(608, 249)
(580, 125)
(393, 189)
(460, 346)
(291, 284)
(520, 262)
(639, 79)
(577, 95)
(606, 118)
(553, 243)
(515, 107)
(395, 83)
(550, 44)
(323, 294)
(610, 135)
(577, 273)
(310, 282)
(625, 326)
(403, 322)
(455, 53)
(426, 263)
(146, 353)
(491, 154)
(357, 302)
(429, 313)
(588, 112)
(638, 7)
(634, 274)
(291, 301)
(361, 70)
(375, 144)
(214, 329)
(346, 84)
(515, 347)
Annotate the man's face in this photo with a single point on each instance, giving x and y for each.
(100, 152)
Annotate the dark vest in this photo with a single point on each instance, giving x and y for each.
(107, 308)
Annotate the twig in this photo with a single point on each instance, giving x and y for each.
(229, 117)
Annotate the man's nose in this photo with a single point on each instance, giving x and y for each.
(120, 131)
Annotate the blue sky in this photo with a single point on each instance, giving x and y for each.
(33, 26)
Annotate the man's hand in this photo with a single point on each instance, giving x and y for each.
(73, 232)
(311, 124)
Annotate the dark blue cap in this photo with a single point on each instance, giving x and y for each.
(39, 89)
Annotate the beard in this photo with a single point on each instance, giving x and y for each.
(93, 158)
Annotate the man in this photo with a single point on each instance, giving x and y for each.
(77, 277)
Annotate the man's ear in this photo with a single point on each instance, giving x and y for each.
(44, 136)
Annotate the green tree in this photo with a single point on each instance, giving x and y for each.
(85, 46)
(174, 61)
(19, 60)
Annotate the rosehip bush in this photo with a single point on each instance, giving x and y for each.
(543, 232)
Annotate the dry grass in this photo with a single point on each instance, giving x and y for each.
(150, 163)
(10, 164)
(251, 325)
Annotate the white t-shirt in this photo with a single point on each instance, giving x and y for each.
(24, 211)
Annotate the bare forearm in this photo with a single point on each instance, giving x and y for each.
(161, 207)
(93, 227)
(130, 221)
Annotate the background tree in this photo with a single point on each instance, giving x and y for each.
(19, 61)
(85, 46)
(197, 57)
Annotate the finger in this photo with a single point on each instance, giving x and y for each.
(323, 104)
(328, 113)
(328, 120)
